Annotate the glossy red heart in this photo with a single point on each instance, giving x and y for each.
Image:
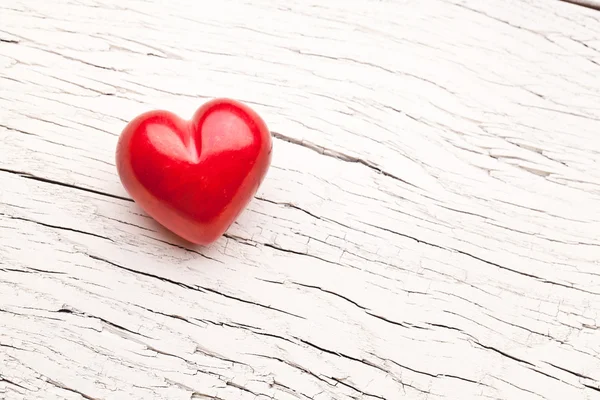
(195, 177)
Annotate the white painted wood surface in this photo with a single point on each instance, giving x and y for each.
(429, 227)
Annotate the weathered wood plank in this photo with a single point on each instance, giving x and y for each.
(429, 227)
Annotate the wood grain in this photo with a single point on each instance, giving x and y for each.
(429, 227)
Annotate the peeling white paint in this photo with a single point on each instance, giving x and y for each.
(428, 229)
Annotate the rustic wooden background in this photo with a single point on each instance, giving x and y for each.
(429, 228)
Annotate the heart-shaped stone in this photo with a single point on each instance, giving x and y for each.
(195, 177)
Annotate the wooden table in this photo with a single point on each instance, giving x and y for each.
(429, 228)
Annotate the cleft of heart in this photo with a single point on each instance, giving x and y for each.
(195, 177)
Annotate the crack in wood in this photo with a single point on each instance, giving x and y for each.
(592, 4)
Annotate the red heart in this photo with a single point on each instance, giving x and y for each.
(195, 177)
